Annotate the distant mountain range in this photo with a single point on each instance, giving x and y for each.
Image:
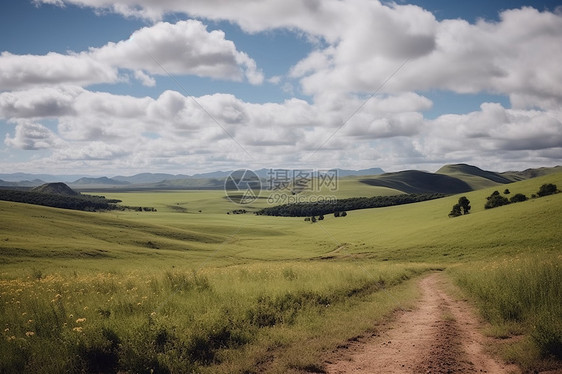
(456, 178)
(146, 180)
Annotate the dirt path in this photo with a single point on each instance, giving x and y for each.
(439, 336)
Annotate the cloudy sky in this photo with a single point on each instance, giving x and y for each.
(106, 87)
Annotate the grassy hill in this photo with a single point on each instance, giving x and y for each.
(475, 177)
(180, 290)
(55, 189)
(414, 181)
(531, 173)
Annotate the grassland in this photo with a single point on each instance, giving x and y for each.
(190, 288)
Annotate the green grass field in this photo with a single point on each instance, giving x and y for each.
(191, 288)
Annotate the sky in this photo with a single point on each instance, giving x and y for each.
(120, 87)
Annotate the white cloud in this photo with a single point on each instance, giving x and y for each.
(367, 41)
(23, 71)
(32, 136)
(497, 57)
(144, 78)
(493, 133)
(184, 48)
(117, 131)
(44, 102)
(361, 45)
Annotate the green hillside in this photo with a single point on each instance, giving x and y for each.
(412, 230)
(531, 173)
(475, 177)
(414, 181)
(191, 289)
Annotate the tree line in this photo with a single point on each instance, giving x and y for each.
(78, 202)
(310, 209)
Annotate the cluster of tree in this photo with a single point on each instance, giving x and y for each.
(462, 207)
(496, 199)
(74, 202)
(547, 189)
(340, 214)
(309, 209)
(236, 211)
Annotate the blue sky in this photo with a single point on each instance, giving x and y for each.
(209, 85)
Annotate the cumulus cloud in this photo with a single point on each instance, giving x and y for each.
(220, 129)
(32, 136)
(493, 130)
(366, 40)
(23, 71)
(396, 51)
(183, 48)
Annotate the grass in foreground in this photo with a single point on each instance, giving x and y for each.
(88, 299)
(520, 296)
(181, 321)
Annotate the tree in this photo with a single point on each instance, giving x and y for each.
(456, 211)
(518, 197)
(343, 214)
(464, 203)
(336, 214)
(313, 219)
(463, 207)
(321, 217)
(547, 189)
(495, 200)
(506, 192)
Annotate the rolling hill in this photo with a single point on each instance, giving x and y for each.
(102, 181)
(475, 177)
(452, 179)
(531, 173)
(414, 181)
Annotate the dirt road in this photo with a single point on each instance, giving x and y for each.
(440, 335)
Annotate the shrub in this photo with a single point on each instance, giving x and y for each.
(519, 197)
(456, 211)
(547, 189)
(464, 204)
(495, 200)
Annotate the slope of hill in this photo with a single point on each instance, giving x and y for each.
(414, 181)
(146, 178)
(531, 173)
(112, 270)
(99, 181)
(58, 188)
(23, 183)
(473, 176)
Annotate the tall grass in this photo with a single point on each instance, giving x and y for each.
(173, 321)
(526, 292)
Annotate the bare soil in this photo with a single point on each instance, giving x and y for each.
(441, 335)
